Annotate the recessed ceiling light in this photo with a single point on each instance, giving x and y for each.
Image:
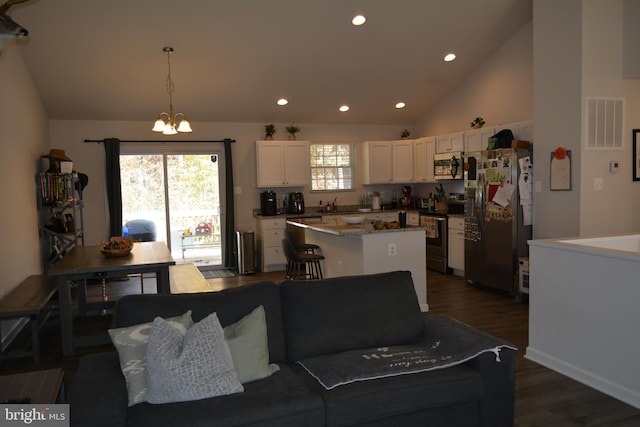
(401, 105)
(449, 57)
(358, 20)
(344, 108)
(283, 101)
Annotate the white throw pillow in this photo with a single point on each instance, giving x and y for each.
(193, 366)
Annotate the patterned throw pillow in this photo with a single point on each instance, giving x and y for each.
(193, 366)
(131, 343)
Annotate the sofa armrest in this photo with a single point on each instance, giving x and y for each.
(496, 367)
(98, 396)
(498, 387)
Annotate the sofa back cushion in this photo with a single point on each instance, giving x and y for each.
(347, 313)
(231, 305)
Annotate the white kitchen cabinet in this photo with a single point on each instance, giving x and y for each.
(403, 161)
(423, 151)
(478, 139)
(387, 162)
(282, 163)
(271, 231)
(413, 218)
(450, 143)
(455, 253)
(378, 163)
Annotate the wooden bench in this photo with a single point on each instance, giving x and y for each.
(187, 279)
(30, 300)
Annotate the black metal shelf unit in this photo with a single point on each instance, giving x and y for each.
(60, 215)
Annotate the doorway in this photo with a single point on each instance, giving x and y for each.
(178, 191)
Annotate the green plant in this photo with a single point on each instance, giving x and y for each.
(292, 129)
(405, 133)
(269, 130)
(477, 123)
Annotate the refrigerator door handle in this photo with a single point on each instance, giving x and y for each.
(480, 199)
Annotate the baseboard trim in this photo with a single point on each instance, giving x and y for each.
(622, 393)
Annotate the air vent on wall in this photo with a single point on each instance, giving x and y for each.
(604, 123)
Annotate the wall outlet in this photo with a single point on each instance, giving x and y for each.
(392, 249)
(598, 184)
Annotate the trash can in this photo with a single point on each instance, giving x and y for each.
(245, 251)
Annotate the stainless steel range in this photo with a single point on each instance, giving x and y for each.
(436, 240)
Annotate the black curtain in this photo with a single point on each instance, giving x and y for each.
(114, 191)
(230, 260)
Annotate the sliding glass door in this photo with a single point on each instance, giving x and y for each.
(178, 193)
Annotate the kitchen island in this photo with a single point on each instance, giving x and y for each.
(354, 249)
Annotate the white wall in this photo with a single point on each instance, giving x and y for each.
(500, 91)
(89, 158)
(23, 139)
(614, 210)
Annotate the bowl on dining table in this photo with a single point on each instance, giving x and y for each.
(353, 219)
(117, 247)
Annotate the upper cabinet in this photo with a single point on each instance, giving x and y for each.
(423, 151)
(282, 163)
(378, 164)
(387, 162)
(403, 161)
(478, 139)
(450, 143)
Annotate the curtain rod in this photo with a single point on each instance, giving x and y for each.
(164, 140)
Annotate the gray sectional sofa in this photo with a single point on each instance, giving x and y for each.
(350, 351)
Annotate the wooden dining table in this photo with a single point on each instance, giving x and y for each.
(87, 262)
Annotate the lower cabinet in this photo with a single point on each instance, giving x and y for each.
(456, 245)
(271, 231)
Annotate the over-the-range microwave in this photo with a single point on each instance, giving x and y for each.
(448, 165)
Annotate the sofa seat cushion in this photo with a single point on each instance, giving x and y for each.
(282, 399)
(348, 313)
(445, 343)
(383, 399)
(98, 395)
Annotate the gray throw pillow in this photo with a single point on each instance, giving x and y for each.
(247, 340)
(131, 343)
(193, 366)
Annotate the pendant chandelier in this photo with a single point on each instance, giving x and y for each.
(168, 123)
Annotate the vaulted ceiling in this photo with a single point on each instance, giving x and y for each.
(232, 60)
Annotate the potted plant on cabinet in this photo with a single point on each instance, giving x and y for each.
(477, 123)
(269, 131)
(292, 130)
(405, 134)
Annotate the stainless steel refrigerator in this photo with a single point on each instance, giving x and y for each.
(497, 220)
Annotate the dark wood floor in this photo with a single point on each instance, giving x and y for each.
(543, 397)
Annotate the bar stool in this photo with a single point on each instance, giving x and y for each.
(301, 265)
(308, 248)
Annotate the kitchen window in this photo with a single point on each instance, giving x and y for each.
(332, 167)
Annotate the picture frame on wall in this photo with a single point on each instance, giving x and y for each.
(636, 154)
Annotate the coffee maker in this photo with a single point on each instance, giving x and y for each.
(296, 203)
(268, 203)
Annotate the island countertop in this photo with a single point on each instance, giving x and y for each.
(338, 227)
